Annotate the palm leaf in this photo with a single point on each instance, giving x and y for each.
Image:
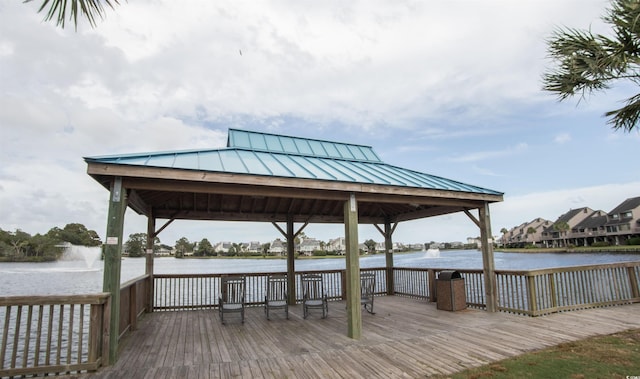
(89, 9)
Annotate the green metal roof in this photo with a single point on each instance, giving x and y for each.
(264, 154)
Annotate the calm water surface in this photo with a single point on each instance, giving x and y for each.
(80, 277)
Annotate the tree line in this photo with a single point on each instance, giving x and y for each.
(21, 246)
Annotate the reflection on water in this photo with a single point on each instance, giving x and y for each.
(74, 276)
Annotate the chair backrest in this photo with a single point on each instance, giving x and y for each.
(367, 284)
(233, 288)
(312, 286)
(277, 287)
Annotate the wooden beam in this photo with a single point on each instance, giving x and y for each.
(151, 235)
(155, 234)
(354, 313)
(291, 265)
(388, 247)
(112, 260)
(472, 217)
(488, 263)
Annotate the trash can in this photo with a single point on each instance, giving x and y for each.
(450, 291)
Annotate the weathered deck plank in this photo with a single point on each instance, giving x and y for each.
(406, 338)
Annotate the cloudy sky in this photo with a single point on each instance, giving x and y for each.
(450, 88)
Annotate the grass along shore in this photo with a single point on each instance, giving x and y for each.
(610, 356)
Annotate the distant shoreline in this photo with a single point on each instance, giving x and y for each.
(581, 250)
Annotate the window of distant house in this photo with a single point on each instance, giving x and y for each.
(626, 215)
(612, 229)
(615, 216)
(624, 227)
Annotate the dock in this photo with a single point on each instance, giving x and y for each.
(406, 338)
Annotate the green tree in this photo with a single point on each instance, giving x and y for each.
(586, 62)
(530, 231)
(204, 248)
(75, 234)
(89, 9)
(562, 227)
(371, 245)
(136, 244)
(183, 246)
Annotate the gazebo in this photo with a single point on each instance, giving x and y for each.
(264, 177)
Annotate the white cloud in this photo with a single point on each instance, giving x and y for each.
(562, 138)
(483, 155)
(434, 85)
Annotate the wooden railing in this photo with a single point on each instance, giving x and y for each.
(133, 300)
(64, 334)
(201, 291)
(539, 292)
(52, 334)
(531, 292)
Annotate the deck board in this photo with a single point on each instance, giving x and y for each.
(406, 338)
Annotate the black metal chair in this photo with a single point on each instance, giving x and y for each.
(367, 290)
(314, 296)
(277, 295)
(231, 299)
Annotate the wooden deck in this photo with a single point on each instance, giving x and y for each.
(406, 338)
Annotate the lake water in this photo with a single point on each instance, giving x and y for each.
(77, 276)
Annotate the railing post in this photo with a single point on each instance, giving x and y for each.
(532, 295)
(106, 331)
(133, 306)
(95, 328)
(633, 282)
(552, 291)
(431, 278)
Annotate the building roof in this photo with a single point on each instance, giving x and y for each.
(595, 220)
(270, 177)
(626, 206)
(274, 155)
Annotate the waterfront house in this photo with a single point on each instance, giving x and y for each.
(557, 234)
(623, 222)
(308, 245)
(580, 227)
(277, 247)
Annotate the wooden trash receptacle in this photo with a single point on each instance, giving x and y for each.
(450, 291)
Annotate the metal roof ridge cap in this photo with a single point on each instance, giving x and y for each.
(305, 155)
(302, 138)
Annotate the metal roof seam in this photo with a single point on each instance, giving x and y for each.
(337, 169)
(246, 168)
(284, 166)
(221, 161)
(263, 164)
(290, 157)
(353, 167)
(308, 159)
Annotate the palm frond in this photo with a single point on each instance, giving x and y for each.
(625, 118)
(90, 9)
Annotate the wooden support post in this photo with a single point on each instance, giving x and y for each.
(388, 247)
(354, 313)
(112, 261)
(488, 263)
(151, 236)
(291, 262)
